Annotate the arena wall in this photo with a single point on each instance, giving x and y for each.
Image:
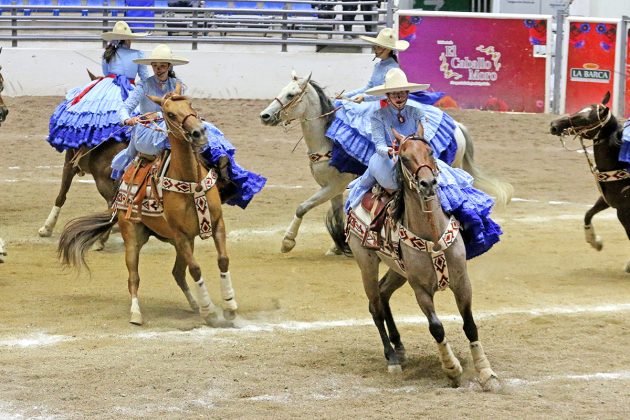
(210, 74)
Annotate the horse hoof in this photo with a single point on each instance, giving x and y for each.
(491, 384)
(333, 251)
(598, 244)
(211, 318)
(287, 245)
(229, 315)
(194, 306)
(394, 369)
(400, 352)
(136, 318)
(44, 232)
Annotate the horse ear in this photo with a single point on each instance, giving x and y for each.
(92, 76)
(294, 75)
(397, 135)
(155, 99)
(178, 89)
(606, 98)
(308, 79)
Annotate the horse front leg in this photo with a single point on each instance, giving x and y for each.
(391, 282)
(66, 180)
(321, 196)
(589, 231)
(185, 248)
(463, 296)
(623, 214)
(368, 263)
(450, 364)
(179, 274)
(135, 236)
(229, 304)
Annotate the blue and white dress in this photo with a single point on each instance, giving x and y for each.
(89, 114)
(351, 130)
(624, 153)
(150, 141)
(470, 206)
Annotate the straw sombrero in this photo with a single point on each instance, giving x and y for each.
(121, 31)
(162, 54)
(387, 38)
(396, 81)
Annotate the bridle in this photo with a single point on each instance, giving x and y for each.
(285, 108)
(412, 178)
(580, 131)
(178, 129)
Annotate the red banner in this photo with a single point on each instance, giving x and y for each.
(591, 54)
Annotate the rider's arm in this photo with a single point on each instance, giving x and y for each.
(378, 136)
(131, 103)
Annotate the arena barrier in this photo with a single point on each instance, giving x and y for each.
(480, 60)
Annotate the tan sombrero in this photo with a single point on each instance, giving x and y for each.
(162, 54)
(121, 31)
(387, 38)
(396, 81)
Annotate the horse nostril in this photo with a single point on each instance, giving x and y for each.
(553, 130)
(265, 117)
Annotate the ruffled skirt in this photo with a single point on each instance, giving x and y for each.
(351, 134)
(149, 141)
(91, 120)
(470, 206)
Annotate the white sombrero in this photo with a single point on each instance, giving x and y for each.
(121, 31)
(162, 54)
(387, 38)
(396, 81)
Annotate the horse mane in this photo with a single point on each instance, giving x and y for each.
(325, 103)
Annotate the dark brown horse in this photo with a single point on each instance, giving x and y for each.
(97, 162)
(4, 111)
(429, 254)
(184, 186)
(597, 123)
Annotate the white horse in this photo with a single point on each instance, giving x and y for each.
(3, 252)
(304, 100)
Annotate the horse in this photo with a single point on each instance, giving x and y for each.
(597, 123)
(431, 256)
(304, 100)
(3, 251)
(95, 161)
(4, 111)
(192, 206)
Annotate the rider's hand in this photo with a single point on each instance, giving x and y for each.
(391, 152)
(358, 99)
(131, 121)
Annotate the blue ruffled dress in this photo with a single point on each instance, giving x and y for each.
(458, 197)
(150, 141)
(89, 114)
(351, 130)
(624, 154)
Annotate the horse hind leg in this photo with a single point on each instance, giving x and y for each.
(105, 186)
(623, 214)
(391, 282)
(67, 175)
(589, 231)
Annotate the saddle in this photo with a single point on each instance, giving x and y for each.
(376, 203)
(142, 173)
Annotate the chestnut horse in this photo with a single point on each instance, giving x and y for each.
(179, 224)
(97, 162)
(429, 243)
(597, 123)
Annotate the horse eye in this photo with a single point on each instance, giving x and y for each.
(290, 96)
(170, 115)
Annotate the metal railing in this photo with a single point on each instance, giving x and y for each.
(321, 25)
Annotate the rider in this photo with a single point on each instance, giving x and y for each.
(458, 197)
(149, 137)
(89, 114)
(351, 131)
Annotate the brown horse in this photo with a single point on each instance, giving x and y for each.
(4, 111)
(97, 162)
(597, 123)
(430, 255)
(180, 223)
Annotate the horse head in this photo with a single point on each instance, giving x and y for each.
(417, 164)
(587, 123)
(288, 105)
(181, 118)
(4, 111)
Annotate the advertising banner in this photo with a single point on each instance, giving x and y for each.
(480, 60)
(627, 73)
(590, 59)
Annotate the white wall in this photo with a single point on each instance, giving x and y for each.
(210, 74)
(601, 8)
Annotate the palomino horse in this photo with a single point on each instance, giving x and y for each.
(97, 162)
(304, 100)
(597, 123)
(188, 188)
(430, 255)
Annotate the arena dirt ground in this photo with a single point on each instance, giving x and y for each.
(553, 313)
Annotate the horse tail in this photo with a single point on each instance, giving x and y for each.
(501, 190)
(337, 231)
(79, 235)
